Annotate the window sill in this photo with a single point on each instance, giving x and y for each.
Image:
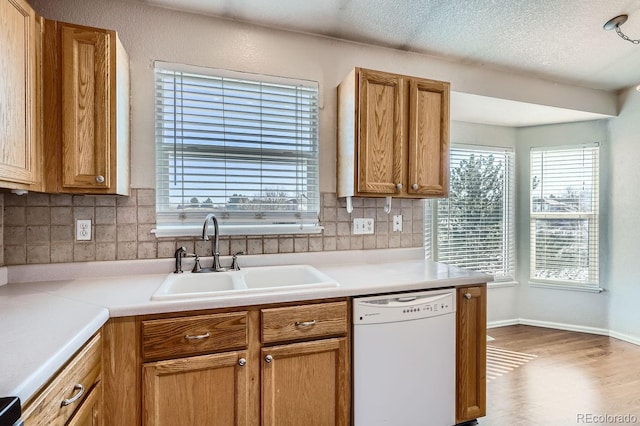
(501, 284)
(585, 289)
(196, 230)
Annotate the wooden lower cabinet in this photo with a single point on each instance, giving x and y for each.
(306, 384)
(230, 367)
(89, 413)
(74, 394)
(471, 352)
(200, 390)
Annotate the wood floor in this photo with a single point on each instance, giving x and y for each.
(575, 379)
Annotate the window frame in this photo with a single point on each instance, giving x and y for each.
(509, 214)
(592, 217)
(268, 222)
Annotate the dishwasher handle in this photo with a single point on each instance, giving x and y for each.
(406, 299)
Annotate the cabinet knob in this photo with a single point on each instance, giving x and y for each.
(398, 186)
(414, 186)
(268, 358)
(100, 179)
(242, 362)
(467, 296)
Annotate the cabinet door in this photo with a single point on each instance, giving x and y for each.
(88, 414)
(202, 390)
(17, 94)
(471, 353)
(306, 384)
(380, 133)
(428, 137)
(86, 103)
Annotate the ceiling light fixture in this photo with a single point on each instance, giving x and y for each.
(614, 24)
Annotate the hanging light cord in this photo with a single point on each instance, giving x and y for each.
(625, 37)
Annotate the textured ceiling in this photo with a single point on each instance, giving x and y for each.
(558, 40)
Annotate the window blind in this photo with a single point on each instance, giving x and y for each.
(474, 227)
(564, 215)
(241, 146)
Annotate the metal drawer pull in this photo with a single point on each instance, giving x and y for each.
(467, 295)
(305, 323)
(75, 397)
(197, 337)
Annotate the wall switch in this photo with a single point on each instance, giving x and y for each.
(397, 223)
(83, 230)
(363, 226)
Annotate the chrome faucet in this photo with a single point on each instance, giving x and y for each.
(182, 252)
(179, 254)
(205, 236)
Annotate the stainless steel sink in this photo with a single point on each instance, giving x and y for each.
(248, 280)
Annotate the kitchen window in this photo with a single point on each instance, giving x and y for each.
(564, 215)
(474, 227)
(241, 146)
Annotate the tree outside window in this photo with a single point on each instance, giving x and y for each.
(473, 228)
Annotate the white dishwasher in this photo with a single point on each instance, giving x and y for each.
(404, 359)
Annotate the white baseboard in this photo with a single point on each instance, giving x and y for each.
(569, 327)
(562, 326)
(631, 339)
(503, 323)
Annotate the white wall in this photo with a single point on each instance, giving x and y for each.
(624, 251)
(502, 301)
(568, 308)
(149, 33)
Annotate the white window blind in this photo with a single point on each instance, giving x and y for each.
(474, 227)
(241, 146)
(564, 215)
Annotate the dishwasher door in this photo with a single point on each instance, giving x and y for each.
(404, 359)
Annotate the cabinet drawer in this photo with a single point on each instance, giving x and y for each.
(303, 322)
(178, 337)
(67, 391)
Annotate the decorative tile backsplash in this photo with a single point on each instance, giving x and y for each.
(40, 228)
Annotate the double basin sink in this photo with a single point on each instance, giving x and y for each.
(188, 285)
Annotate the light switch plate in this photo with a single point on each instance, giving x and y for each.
(83, 230)
(397, 223)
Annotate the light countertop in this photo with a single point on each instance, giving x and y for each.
(47, 312)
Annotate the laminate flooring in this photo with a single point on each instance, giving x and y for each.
(575, 378)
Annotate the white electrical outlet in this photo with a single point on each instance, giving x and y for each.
(397, 223)
(363, 226)
(83, 230)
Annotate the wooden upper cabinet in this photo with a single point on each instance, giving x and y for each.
(86, 143)
(393, 136)
(428, 138)
(380, 166)
(18, 95)
(86, 110)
